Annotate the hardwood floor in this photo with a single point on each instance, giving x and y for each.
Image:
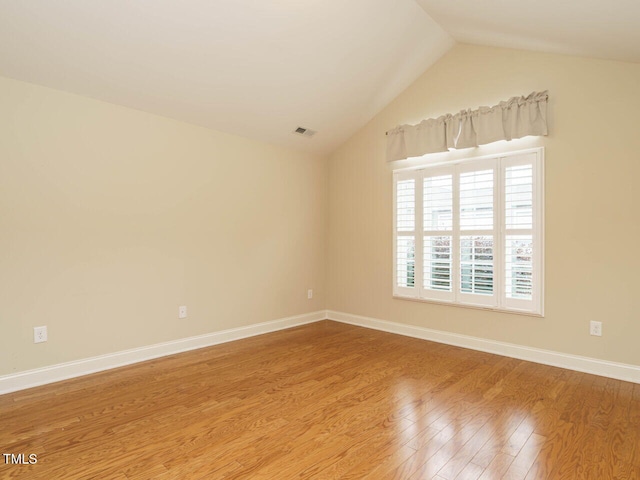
(326, 401)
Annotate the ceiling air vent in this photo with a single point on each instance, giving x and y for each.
(305, 132)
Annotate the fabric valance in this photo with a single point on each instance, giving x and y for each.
(514, 118)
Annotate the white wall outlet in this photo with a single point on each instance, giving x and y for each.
(40, 334)
(310, 293)
(182, 311)
(595, 328)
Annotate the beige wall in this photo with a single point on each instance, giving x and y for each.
(111, 218)
(592, 201)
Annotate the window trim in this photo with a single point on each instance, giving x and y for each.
(499, 161)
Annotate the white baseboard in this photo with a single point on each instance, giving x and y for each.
(64, 371)
(620, 371)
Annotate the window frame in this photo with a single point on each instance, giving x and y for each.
(498, 301)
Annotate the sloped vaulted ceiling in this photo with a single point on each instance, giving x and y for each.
(257, 68)
(261, 68)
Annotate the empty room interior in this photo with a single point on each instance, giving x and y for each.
(383, 239)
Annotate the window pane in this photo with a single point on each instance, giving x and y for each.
(476, 264)
(405, 261)
(476, 200)
(406, 205)
(438, 203)
(519, 266)
(519, 196)
(437, 263)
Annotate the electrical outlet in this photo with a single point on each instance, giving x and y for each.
(182, 311)
(40, 334)
(310, 293)
(595, 328)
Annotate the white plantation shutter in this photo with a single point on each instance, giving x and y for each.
(437, 235)
(405, 236)
(438, 203)
(438, 265)
(406, 205)
(522, 232)
(471, 233)
(477, 232)
(518, 188)
(518, 192)
(519, 267)
(476, 200)
(476, 264)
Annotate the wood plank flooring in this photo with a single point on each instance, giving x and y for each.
(326, 401)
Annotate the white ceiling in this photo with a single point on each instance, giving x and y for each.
(593, 28)
(261, 68)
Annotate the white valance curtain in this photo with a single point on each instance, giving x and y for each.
(515, 118)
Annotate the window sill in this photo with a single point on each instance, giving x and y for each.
(466, 305)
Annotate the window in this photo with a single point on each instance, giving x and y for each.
(470, 232)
